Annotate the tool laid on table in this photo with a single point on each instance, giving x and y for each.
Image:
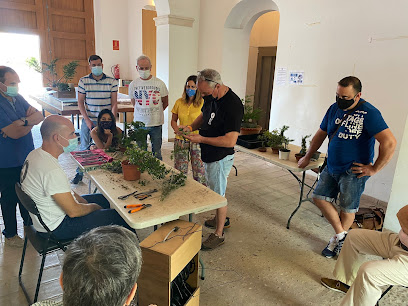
(137, 207)
(143, 195)
(124, 197)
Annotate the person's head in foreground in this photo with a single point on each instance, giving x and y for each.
(101, 268)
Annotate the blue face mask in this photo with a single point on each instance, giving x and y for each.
(190, 92)
(97, 70)
(12, 91)
(72, 144)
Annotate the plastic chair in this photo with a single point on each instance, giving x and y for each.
(43, 244)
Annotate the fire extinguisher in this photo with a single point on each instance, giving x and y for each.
(115, 71)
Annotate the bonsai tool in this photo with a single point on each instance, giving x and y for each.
(143, 195)
(124, 197)
(137, 207)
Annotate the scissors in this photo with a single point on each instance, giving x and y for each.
(136, 207)
(143, 195)
(124, 197)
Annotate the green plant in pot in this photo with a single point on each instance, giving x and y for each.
(249, 124)
(275, 141)
(136, 135)
(303, 148)
(316, 155)
(285, 152)
(49, 71)
(264, 138)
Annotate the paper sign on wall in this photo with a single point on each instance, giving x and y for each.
(296, 77)
(116, 45)
(281, 76)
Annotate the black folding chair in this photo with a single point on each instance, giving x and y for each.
(43, 244)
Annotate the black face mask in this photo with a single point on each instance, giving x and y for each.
(106, 125)
(344, 103)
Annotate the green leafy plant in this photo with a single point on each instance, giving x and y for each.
(50, 72)
(274, 140)
(115, 166)
(135, 133)
(251, 114)
(303, 149)
(146, 162)
(174, 181)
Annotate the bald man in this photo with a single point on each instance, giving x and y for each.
(17, 118)
(65, 213)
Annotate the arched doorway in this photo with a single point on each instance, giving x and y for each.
(236, 53)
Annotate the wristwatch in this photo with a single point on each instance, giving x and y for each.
(24, 119)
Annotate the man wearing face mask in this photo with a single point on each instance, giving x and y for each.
(149, 96)
(66, 214)
(17, 118)
(96, 92)
(219, 125)
(352, 125)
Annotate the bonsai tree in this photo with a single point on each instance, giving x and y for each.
(135, 133)
(50, 72)
(251, 115)
(145, 161)
(274, 139)
(303, 149)
(286, 141)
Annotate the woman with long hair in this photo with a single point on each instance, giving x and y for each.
(187, 109)
(106, 134)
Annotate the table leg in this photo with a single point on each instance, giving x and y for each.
(43, 111)
(72, 119)
(202, 268)
(77, 117)
(190, 218)
(124, 123)
(300, 198)
(89, 187)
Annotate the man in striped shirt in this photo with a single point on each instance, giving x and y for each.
(96, 92)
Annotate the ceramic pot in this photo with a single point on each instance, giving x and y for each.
(284, 154)
(299, 156)
(130, 172)
(262, 149)
(250, 131)
(316, 155)
(275, 150)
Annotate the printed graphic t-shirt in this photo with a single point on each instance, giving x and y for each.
(354, 141)
(148, 104)
(219, 118)
(186, 113)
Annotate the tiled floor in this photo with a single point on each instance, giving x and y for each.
(261, 263)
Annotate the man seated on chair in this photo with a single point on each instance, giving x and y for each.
(100, 268)
(65, 213)
(363, 282)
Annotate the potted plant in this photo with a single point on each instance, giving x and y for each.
(59, 84)
(274, 141)
(316, 154)
(249, 125)
(264, 138)
(303, 148)
(284, 152)
(136, 135)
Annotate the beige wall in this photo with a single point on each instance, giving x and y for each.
(264, 33)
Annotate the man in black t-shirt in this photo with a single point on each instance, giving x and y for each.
(219, 125)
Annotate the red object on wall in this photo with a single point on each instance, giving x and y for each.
(116, 71)
(116, 45)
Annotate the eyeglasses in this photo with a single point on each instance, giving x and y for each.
(208, 80)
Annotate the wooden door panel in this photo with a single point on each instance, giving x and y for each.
(69, 5)
(68, 24)
(149, 36)
(32, 2)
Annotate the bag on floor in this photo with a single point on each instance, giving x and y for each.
(369, 218)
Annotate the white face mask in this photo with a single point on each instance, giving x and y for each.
(144, 74)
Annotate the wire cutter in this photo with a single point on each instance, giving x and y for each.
(136, 207)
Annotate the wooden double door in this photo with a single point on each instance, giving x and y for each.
(65, 28)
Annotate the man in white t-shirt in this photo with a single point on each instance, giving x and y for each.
(65, 213)
(149, 97)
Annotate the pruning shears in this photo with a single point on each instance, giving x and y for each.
(143, 195)
(136, 207)
(124, 197)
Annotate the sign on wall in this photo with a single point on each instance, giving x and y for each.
(296, 77)
(116, 45)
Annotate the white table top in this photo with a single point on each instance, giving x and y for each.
(191, 198)
(290, 164)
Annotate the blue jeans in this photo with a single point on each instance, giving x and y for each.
(73, 227)
(350, 187)
(85, 135)
(217, 174)
(8, 200)
(155, 133)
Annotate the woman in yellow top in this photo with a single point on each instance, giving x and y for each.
(187, 109)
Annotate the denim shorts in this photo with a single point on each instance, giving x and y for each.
(217, 174)
(347, 184)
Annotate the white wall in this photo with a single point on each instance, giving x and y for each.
(328, 40)
(111, 23)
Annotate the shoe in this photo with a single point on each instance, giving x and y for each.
(78, 178)
(15, 242)
(339, 245)
(212, 242)
(328, 251)
(212, 224)
(334, 285)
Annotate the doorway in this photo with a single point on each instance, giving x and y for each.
(265, 72)
(20, 48)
